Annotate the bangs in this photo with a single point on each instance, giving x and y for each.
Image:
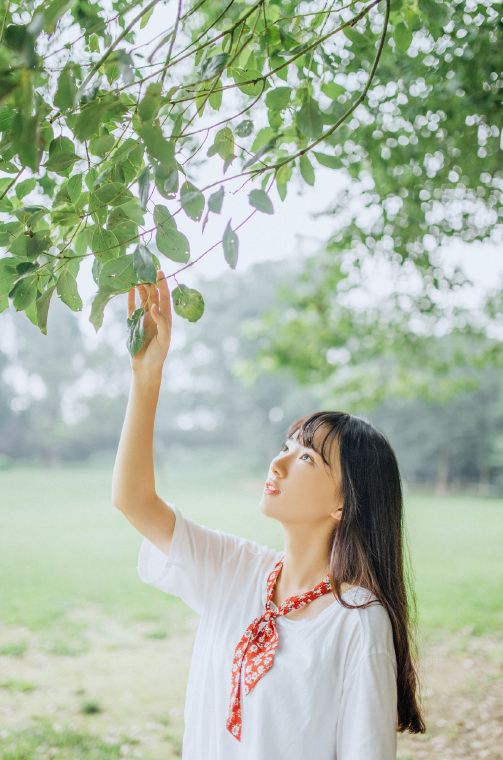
(330, 424)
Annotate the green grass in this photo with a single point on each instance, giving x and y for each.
(41, 741)
(63, 545)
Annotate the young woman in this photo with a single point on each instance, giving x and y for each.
(300, 653)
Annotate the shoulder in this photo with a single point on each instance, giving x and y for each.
(224, 549)
(367, 624)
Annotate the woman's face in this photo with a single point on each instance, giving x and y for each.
(300, 488)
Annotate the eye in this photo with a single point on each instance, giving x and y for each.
(308, 455)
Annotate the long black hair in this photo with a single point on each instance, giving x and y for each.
(368, 546)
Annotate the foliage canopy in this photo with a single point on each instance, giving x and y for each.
(99, 133)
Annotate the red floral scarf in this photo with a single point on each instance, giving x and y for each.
(255, 651)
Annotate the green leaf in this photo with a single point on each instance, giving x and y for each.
(332, 90)
(261, 201)
(215, 200)
(100, 146)
(240, 76)
(309, 119)
(144, 185)
(332, 162)
(156, 144)
(75, 187)
(306, 169)
(24, 291)
(169, 241)
(67, 89)
(439, 13)
(96, 270)
(231, 246)
(109, 108)
(25, 187)
(402, 37)
(101, 299)
(146, 17)
(118, 275)
(279, 98)
(188, 303)
(260, 152)
(43, 302)
(215, 98)
(104, 245)
(244, 128)
(67, 290)
(136, 333)
(213, 66)
(192, 201)
(143, 262)
(61, 161)
(224, 143)
(8, 276)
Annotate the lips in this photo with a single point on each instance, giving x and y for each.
(270, 488)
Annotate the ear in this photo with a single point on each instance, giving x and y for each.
(337, 514)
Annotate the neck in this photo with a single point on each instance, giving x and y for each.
(306, 559)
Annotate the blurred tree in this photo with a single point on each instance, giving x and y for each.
(455, 444)
(422, 165)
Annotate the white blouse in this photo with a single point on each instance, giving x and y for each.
(331, 691)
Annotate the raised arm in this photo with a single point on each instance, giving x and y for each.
(133, 483)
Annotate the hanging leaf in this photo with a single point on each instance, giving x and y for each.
(24, 292)
(101, 299)
(43, 302)
(215, 201)
(118, 275)
(223, 144)
(104, 245)
(309, 119)
(332, 90)
(192, 201)
(67, 290)
(245, 128)
(136, 333)
(279, 98)
(244, 80)
(306, 169)
(402, 37)
(231, 246)
(261, 201)
(75, 187)
(213, 66)
(144, 185)
(67, 89)
(188, 303)
(144, 264)
(169, 241)
(157, 145)
(260, 152)
(332, 162)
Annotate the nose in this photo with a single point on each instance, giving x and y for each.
(278, 464)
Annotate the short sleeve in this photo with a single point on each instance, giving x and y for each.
(367, 723)
(198, 557)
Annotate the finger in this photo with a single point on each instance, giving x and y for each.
(165, 297)
(143, 294)
(163, 325)
(152, 295)
(131, 303)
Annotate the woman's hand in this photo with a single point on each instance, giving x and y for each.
(156, 323)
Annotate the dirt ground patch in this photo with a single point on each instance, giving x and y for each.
(128, 683)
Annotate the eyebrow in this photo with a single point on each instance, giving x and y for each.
(295, 440)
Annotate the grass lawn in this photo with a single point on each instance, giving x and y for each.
(64, 545)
